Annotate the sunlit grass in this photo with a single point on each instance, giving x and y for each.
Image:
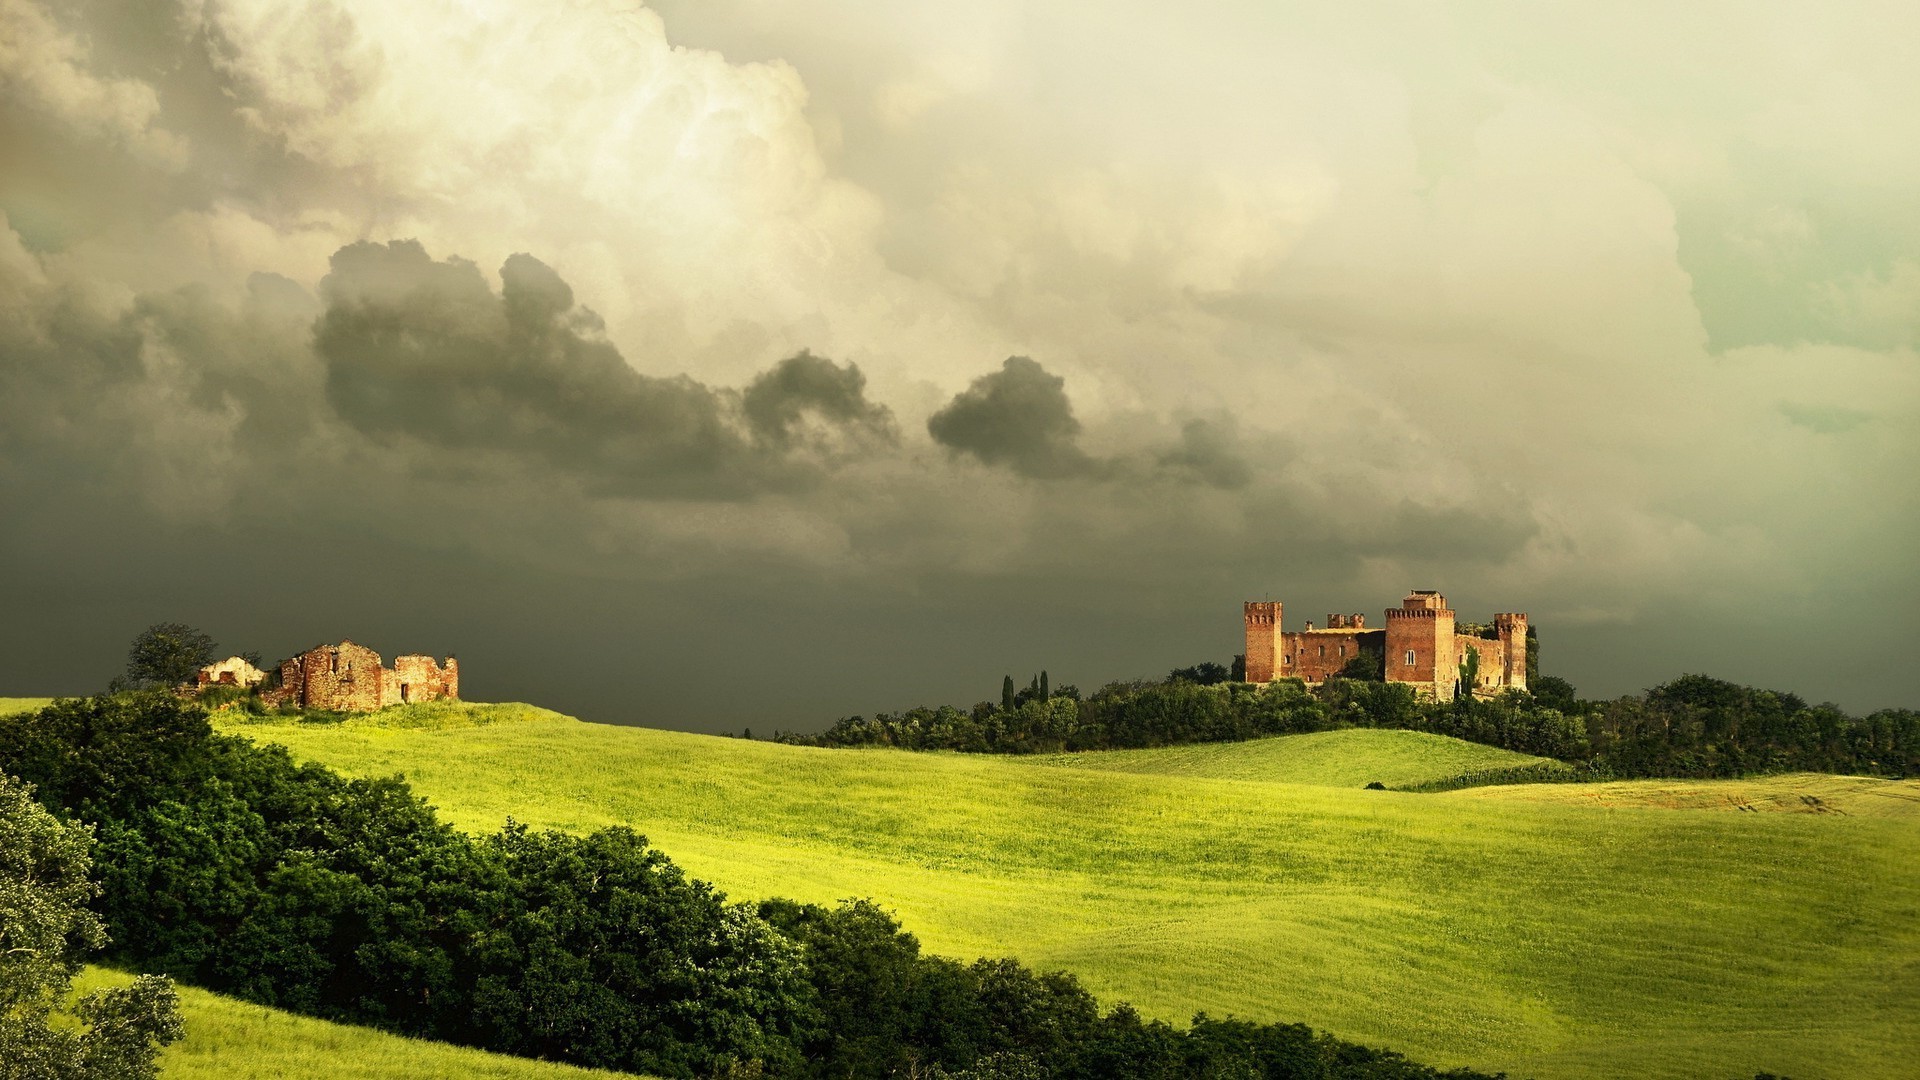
(1542, 934)
(1348, 758)
(233, 1040)
(11, 705)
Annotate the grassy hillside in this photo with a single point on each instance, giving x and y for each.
(1805, 793)
(11, 705)
(1545, 936)
(232, 1040)
(1351, 758)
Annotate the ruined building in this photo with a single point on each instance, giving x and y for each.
(233, 671)
(348, 677)
(1421, 644)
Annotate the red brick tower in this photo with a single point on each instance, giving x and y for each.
(1420, 644)
(1512, 628)
(1263, 640)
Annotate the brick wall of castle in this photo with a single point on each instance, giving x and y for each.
(1316, 655)
(1419, 641)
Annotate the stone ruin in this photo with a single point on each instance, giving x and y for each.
(345, 677)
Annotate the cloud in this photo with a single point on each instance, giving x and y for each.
(1018, 418)
(424, 350)
(1209, 451)
(809, 400)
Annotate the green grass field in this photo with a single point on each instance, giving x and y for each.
(232, 1040)
(1548, 934)
(11, 705)
(1351, 758)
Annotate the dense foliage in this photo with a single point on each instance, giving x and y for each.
(1694, 726)
(233, 867)
(45, 932)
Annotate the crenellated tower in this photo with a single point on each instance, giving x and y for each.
(1420, 646)
(1263, 640)
(1511, 626)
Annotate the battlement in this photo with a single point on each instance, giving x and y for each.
(1263, 613)
(1422, 645)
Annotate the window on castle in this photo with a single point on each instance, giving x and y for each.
(1409, 657)
(1323, 650)
(1343, 650)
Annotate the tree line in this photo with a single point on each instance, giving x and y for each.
(1693, 726)
(230, 866)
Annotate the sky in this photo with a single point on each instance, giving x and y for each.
(747, 364)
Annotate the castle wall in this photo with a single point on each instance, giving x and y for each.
(1316, 655)
(1419, 643)
(1493, 662)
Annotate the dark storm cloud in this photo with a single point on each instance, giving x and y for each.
(806, 398)
(423, 350)
(1209, 451)
(1019, 418)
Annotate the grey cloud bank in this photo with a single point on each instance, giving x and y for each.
(1513, 308)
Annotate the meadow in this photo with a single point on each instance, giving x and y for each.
(228, 1039)
(1655, 931)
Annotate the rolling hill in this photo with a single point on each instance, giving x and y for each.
(1545, 934)
(1346, 758)
(227, 1039)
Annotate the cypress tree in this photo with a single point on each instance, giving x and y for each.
(1006, 694)
(1044, 696)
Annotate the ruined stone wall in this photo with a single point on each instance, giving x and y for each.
(1262, 619)
(1316, 655)
(233, 671)
(344, 676)
(350, 677)
(421, 678)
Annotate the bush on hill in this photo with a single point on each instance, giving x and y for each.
(1694, 726)
(231, 866)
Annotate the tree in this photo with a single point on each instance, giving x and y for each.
(1366, 666)
(1553, 692)
(1006, 694)
(1045, 695)
(1205, 673)
(167, 654)
(47, 929)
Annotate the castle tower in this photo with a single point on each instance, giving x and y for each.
(1512, 628)
(1420, 647)
(1263, 640)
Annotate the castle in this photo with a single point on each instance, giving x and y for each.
(1421, 644)
(345, 677)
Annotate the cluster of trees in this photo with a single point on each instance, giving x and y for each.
(46, 932)
(231, 866)
(1694, 726)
